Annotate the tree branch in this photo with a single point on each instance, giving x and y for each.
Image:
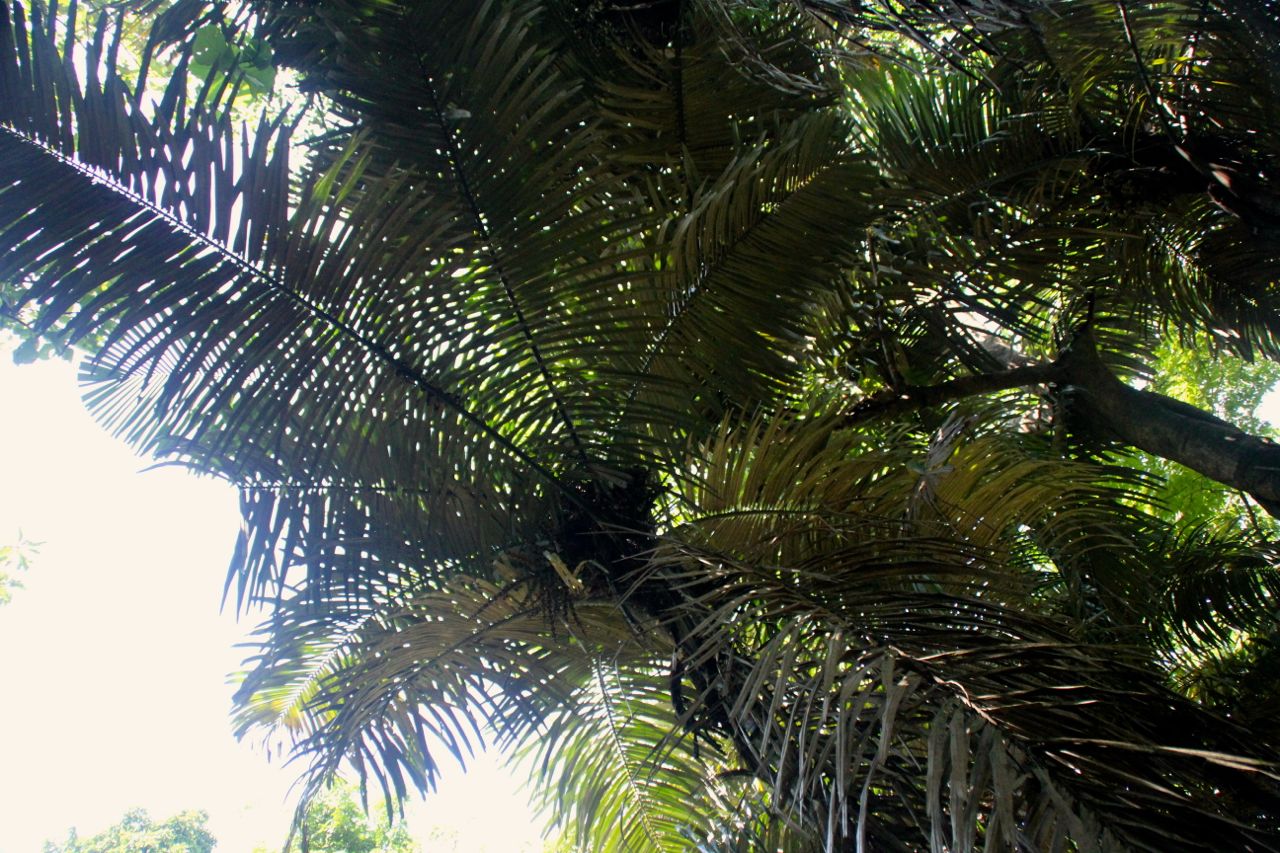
(1160, 425)
(1172, 429)
(913, 398)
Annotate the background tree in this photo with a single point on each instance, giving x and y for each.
(138, 833)
(734, 406)
(1231, 389)
(336, 822)
(13, 559)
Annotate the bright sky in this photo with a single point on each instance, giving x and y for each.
(114, 658)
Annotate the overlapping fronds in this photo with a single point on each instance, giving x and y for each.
(814, 596)
(971, 481)
(836, 699)
(615, 768)
(420, 674)
(222, 343)
(802, 191)
(539, 373)
(1094, 148)
(147, 173)
(1213, 588)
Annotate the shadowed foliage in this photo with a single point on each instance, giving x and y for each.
(731, 406)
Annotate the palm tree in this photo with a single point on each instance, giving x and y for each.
(724, 403)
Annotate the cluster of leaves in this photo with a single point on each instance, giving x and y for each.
(608, 374)
(215, 59)
(336, 822)
(138, 833)
(14, 558)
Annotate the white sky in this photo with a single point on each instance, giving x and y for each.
(113, 659)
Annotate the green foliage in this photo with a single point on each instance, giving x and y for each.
(13, 559)
(1232, 389)
(599, 375)
(336, 822)
(1222, 637)
(138, 833)
(214, 59)
(15, 325)
(1242, 682)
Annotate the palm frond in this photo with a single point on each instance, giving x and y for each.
(417, 671)
(873, 717)
(536, 379)
(1214, 588)
(225, 350)
(615, 768)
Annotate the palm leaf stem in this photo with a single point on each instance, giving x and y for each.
(1156, 105)
(677, 91)
(679, 314)
(615, 738)
(11, 137)
(482, 228)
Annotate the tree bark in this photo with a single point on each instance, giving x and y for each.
(1172, 429)
(1149, 421)
(913, 398)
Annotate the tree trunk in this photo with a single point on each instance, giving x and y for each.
(1172, 429)
(1160, 425)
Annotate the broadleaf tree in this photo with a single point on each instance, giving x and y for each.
(336, 822)
(138, 832)
(743, 410)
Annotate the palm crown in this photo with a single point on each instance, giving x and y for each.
(616, 376)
